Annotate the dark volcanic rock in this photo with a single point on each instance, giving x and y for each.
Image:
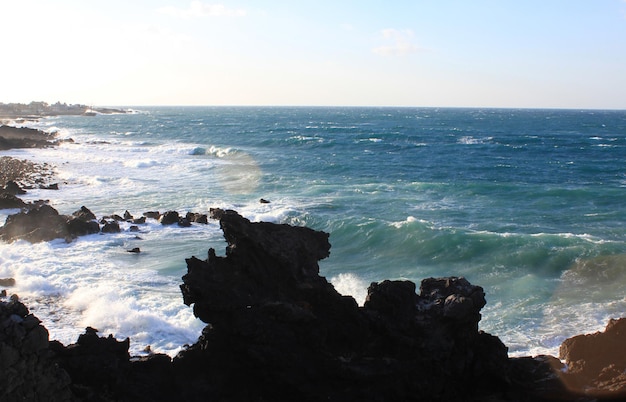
(169, 218)
(94, 361)
(197, 217)
(10, 201)
(22, 137)
(152, 214)
(42, 223)
(111, 227)
(101, 370)
(79, 227)
(85, 214)
(28, 371)
(277, 331)
(596, 363)
(275, 322)
(139, 221)
(13, 188)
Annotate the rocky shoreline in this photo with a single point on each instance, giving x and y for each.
(277, 330)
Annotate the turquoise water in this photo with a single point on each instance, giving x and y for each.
(528, 204)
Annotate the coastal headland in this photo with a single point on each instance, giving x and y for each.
(277, 330)
(35, 110)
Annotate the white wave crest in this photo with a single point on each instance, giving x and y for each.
(349, 284)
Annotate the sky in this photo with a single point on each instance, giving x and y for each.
(425, 53)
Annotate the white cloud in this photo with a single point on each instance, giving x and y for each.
(397, 42)
(197, 9)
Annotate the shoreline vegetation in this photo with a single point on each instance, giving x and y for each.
(276, 330)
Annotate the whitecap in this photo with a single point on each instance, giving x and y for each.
(349, 284)
(142, 163)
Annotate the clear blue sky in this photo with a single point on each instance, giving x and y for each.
(479, 53)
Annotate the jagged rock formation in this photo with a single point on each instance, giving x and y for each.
(27, 366)
(276, 323)
(277, 331)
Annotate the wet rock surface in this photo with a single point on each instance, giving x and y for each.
(39, 222)
(22, 137)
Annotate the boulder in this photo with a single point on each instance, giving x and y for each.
(10, 201)
(197, 217)
(169, 218)
(85, 214)
(13, 188)
(139, 221)
(152, 214)
(111, 227)
(42, 223)
(80, 227)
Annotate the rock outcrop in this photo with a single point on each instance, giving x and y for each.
(276, 323)
(278, 331)
(596, 363)
(22, 137)
(28, 368)
(44, 223)
(39, 221)
(10, 201)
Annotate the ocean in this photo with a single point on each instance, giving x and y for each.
(528, 204)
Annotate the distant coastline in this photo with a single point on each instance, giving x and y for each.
(35, 110)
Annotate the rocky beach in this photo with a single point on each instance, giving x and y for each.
(276, 330)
